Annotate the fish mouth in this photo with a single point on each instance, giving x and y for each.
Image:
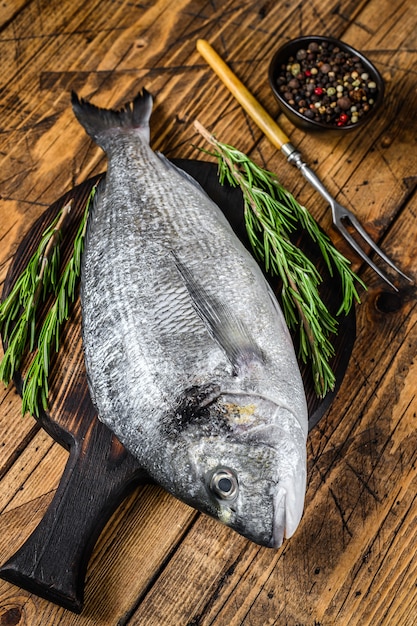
(288, 509)
(279, 519)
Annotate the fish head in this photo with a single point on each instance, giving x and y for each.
(244, 463)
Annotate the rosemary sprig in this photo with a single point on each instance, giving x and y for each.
(41, 277)
(271, 215)
(22, 302)
(36, 388)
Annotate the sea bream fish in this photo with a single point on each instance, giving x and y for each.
(188, 356)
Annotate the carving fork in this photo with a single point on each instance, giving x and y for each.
(279, 139)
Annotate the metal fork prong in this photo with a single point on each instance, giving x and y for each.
(339, 213)
(363, 233)
(354, 244)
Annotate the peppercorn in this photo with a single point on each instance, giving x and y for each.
(301, 54)
(295, 69)
(357, 95)
(344, 103)
(294, 83)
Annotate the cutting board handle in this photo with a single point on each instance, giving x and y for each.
(53, 561)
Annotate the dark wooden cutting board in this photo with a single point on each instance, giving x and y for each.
(100, 472)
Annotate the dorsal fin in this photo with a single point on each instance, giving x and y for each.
(170, 165)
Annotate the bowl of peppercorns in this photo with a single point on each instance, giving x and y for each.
(322, 83)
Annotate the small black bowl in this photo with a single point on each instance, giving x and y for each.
(278, 69)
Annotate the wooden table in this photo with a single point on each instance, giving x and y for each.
(157, 562)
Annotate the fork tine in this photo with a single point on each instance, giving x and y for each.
(354, 244)
(360, 229)
(339, 213)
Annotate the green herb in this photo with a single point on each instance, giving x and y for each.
(271, 215)
(22, 302)
(18, 318)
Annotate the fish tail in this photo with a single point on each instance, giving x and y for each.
(101, 123)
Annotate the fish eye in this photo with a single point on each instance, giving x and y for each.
(224, 483)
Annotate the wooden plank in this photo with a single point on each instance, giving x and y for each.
(352, 560)
(9, 11)
(36, 471)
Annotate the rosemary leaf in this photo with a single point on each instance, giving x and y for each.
(35, 387)
(21, 303)
(18, 311)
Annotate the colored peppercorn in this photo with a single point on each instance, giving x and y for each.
(342, 119)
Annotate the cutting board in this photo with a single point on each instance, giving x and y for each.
(100, 472)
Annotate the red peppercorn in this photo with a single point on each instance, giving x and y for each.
(342, 119)
(319, 91)
(307, 73)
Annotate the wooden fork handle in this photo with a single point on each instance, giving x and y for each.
(261, 117)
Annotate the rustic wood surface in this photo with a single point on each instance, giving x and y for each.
(352, 560)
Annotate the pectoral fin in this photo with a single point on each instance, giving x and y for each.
(223, 325)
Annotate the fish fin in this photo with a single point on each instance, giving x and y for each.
(278, 311)
(180, 171)
(223, 325)
(96, 199)
(100, 189)
(99, 122)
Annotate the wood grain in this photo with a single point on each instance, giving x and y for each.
(352, 560)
